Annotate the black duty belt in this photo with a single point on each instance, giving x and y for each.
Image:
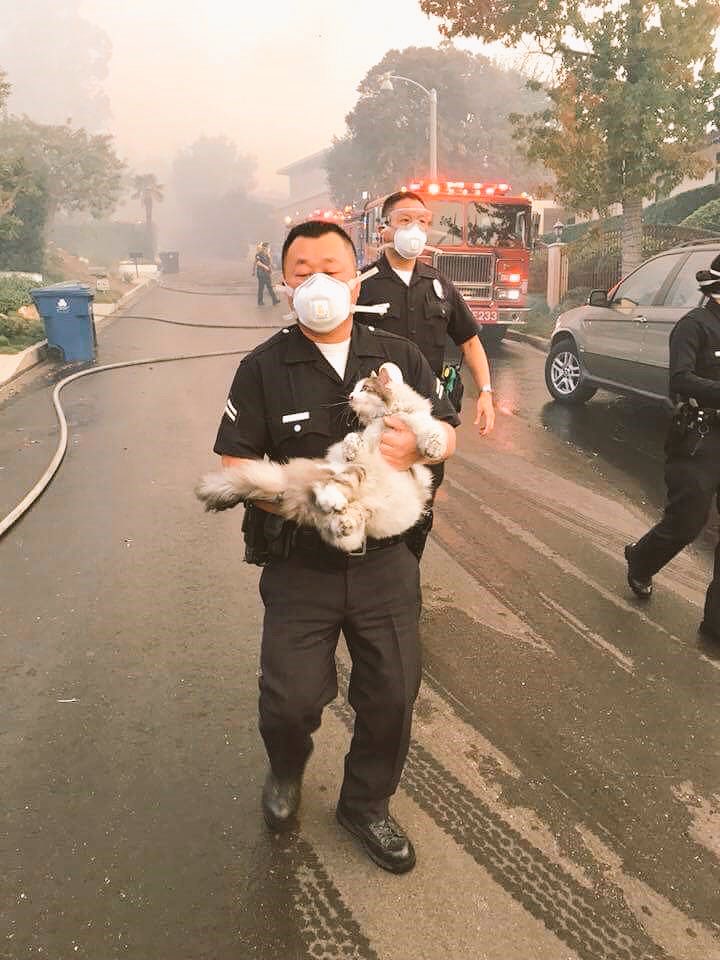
(707, 415)
(308, 540)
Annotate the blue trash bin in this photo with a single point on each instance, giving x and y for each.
(66, 310)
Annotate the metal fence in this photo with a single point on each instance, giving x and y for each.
(596, 258)
(537, 281)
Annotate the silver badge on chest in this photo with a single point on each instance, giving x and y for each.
(438, 288)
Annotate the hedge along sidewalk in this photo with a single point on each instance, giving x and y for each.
(13, 364)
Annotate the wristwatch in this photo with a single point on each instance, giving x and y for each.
(486, 388)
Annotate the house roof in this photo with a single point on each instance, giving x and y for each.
(313, 160)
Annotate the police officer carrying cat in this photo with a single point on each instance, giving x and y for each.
(692, 465)
(289, 399)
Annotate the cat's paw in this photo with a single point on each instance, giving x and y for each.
(432, 445)
(347, 528)
(329, 497)
(351, 446)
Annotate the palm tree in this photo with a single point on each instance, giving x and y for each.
(148, 191)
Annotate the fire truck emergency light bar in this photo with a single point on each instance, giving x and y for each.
(458, 186)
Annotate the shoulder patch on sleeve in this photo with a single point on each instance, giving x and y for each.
(230, 410)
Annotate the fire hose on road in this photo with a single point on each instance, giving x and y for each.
(208, 293)
(37, 490)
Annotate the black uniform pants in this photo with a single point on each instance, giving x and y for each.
(691, 483)
(374, 600)
(264, 281)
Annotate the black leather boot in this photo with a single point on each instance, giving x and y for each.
(641, 588)
(280, 801)
(385, 841)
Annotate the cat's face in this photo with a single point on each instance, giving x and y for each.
(371, 398)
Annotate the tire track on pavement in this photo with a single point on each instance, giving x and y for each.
(542, 887)
(326, 924)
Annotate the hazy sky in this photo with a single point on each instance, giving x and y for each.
(276, 76)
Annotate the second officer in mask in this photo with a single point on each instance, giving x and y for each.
(424, 306)
(692, 466)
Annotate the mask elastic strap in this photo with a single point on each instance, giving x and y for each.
(368, 273)
(362, 276)
(379, 308)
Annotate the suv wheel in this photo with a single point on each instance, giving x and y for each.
(564, 374)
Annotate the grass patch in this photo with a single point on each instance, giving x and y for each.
(15, 293)
(17, 333)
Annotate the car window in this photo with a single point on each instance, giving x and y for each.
(643, 286)
(684, 291)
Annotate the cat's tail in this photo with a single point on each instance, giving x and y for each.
(254, 480)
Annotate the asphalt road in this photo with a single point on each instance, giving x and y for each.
(563, 784)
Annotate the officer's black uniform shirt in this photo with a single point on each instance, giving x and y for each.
(695, 356)
(418, 311)
(287, 401)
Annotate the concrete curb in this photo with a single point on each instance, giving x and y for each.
(540, 343)
(14, 364)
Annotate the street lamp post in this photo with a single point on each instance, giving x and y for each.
(432, 95)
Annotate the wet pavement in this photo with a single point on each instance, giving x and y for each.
(563, 783)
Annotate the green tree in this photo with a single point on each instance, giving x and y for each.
(386, 142)
(22, 232)
(148, 191)
(81, 171)
(14, 176)
(633, 92)
(23, 207)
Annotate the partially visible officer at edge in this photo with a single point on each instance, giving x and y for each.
(425, 306)
(289, 399)
(692, 464)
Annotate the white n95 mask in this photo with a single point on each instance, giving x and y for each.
(321, 303)
(409, 242)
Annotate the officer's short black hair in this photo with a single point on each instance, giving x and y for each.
(389, 203)
(315, 229)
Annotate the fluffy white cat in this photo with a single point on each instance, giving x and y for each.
(353, 493)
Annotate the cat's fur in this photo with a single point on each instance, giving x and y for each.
(352, 493)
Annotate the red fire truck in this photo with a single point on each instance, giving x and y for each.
(483, 233)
